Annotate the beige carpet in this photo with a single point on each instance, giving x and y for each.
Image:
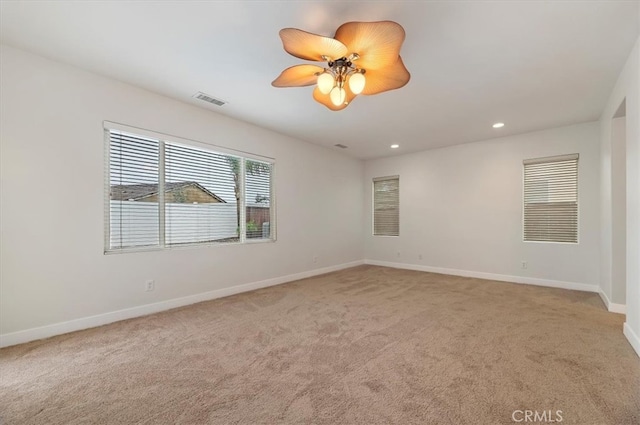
(368, 345)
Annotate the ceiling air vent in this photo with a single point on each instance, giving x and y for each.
(209, 99)
(340, 145)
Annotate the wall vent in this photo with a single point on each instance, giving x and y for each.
(209, 99)
(340, 145)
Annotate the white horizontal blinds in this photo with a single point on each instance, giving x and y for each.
(162, 193)
(551, 199)
(201, 204)
(386, 206)
(133, 178)
(258, 199)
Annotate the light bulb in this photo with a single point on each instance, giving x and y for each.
(338, 96)
(325, 82)
(356, 83)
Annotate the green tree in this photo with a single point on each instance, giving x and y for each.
(254, 168)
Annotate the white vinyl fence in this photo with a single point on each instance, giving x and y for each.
(136, 223)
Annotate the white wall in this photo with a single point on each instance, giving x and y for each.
(627, 89)
(461, 209)
(618, 211)
(613, 210)
(53, 266)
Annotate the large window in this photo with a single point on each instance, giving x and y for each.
(551, 199)
(386, 206)
(162, 193)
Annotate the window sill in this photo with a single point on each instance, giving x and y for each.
(187, 246)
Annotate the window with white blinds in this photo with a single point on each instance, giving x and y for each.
(163, 194)
(133, 168)
(199, 196)
(386, 206)
(258, 196)
(551, 199)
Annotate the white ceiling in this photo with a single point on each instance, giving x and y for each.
(532, 65)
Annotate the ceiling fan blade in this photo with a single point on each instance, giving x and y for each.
(388, 78)
(298, 76)
(377, 43)
(308, 46)
(325, 99)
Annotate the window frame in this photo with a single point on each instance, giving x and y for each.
(373, 205)
(551, 159)
(109, 126)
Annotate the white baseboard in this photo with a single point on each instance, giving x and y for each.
(612, 307)
(490, 276)
(47, 331)
(632, 337)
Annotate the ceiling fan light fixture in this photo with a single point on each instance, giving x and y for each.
(374, 45)
(338, 96)
(357, 82)
(326, 82)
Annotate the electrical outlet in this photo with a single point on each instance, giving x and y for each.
(419, 256)
(315, 258)
(149, 285)
(398, 254)
(524, 265)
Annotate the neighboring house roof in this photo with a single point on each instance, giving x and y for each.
(138, 192)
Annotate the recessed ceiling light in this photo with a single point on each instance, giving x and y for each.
(395, 146)
(498, 125)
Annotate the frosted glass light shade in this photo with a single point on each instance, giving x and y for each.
(325, 82)
(338, 96)
(356, 82)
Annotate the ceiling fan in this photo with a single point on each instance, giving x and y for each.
(362, 58)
